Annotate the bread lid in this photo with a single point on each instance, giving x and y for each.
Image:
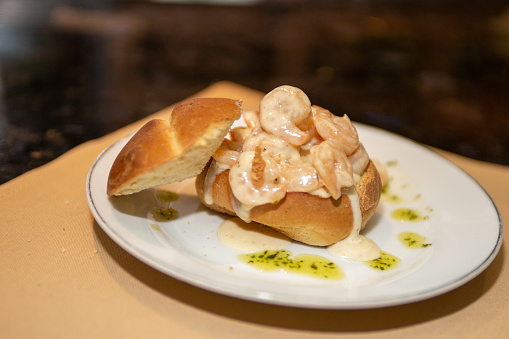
(173, 149)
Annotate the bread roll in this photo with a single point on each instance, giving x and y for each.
(178, 148)
(301, 216)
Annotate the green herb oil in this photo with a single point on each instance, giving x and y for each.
(389, 197)
(306, 264)
(407, 214)
(155, 227)
(413, 241)
(384, 263)
(164, 214)
(167, 196)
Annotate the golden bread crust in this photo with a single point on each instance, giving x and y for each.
(138, 156)
(303, 217)
(165, 151)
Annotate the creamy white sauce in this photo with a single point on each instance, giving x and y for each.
(243, 211)
(320, 192)
(356, 246)
(250, 238)
(210, 177)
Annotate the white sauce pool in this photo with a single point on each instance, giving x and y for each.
(250, 238)
(357, 248)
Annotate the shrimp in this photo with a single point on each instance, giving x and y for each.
(332, 127)
(240, 133)
(314, 139)
(300, 178)
(255, 179)
(275, 146)
(227, 154)
(252, 119)
(284, 109)
(359, 159)
(334, 169)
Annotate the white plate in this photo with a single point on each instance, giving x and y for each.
(464, 227)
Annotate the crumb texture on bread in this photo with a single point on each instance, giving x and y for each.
(165, 151)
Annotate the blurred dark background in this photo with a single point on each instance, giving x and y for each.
(434, 71)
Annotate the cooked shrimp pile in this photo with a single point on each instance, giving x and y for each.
(288, 146)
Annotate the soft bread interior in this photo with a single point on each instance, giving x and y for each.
(166, 151)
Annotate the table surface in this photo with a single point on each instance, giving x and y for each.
(62, 276)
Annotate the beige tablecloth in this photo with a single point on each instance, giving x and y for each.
(61, 276)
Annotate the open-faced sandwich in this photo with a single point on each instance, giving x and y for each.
(292, 166)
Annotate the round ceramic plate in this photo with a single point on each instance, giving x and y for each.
(460, 223)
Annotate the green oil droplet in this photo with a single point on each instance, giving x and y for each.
(384, 263)
(407, 214)
(165, 214)
(413, 240)
(167, 196)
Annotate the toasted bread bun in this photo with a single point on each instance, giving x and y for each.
(165, 151)
(301, 216)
